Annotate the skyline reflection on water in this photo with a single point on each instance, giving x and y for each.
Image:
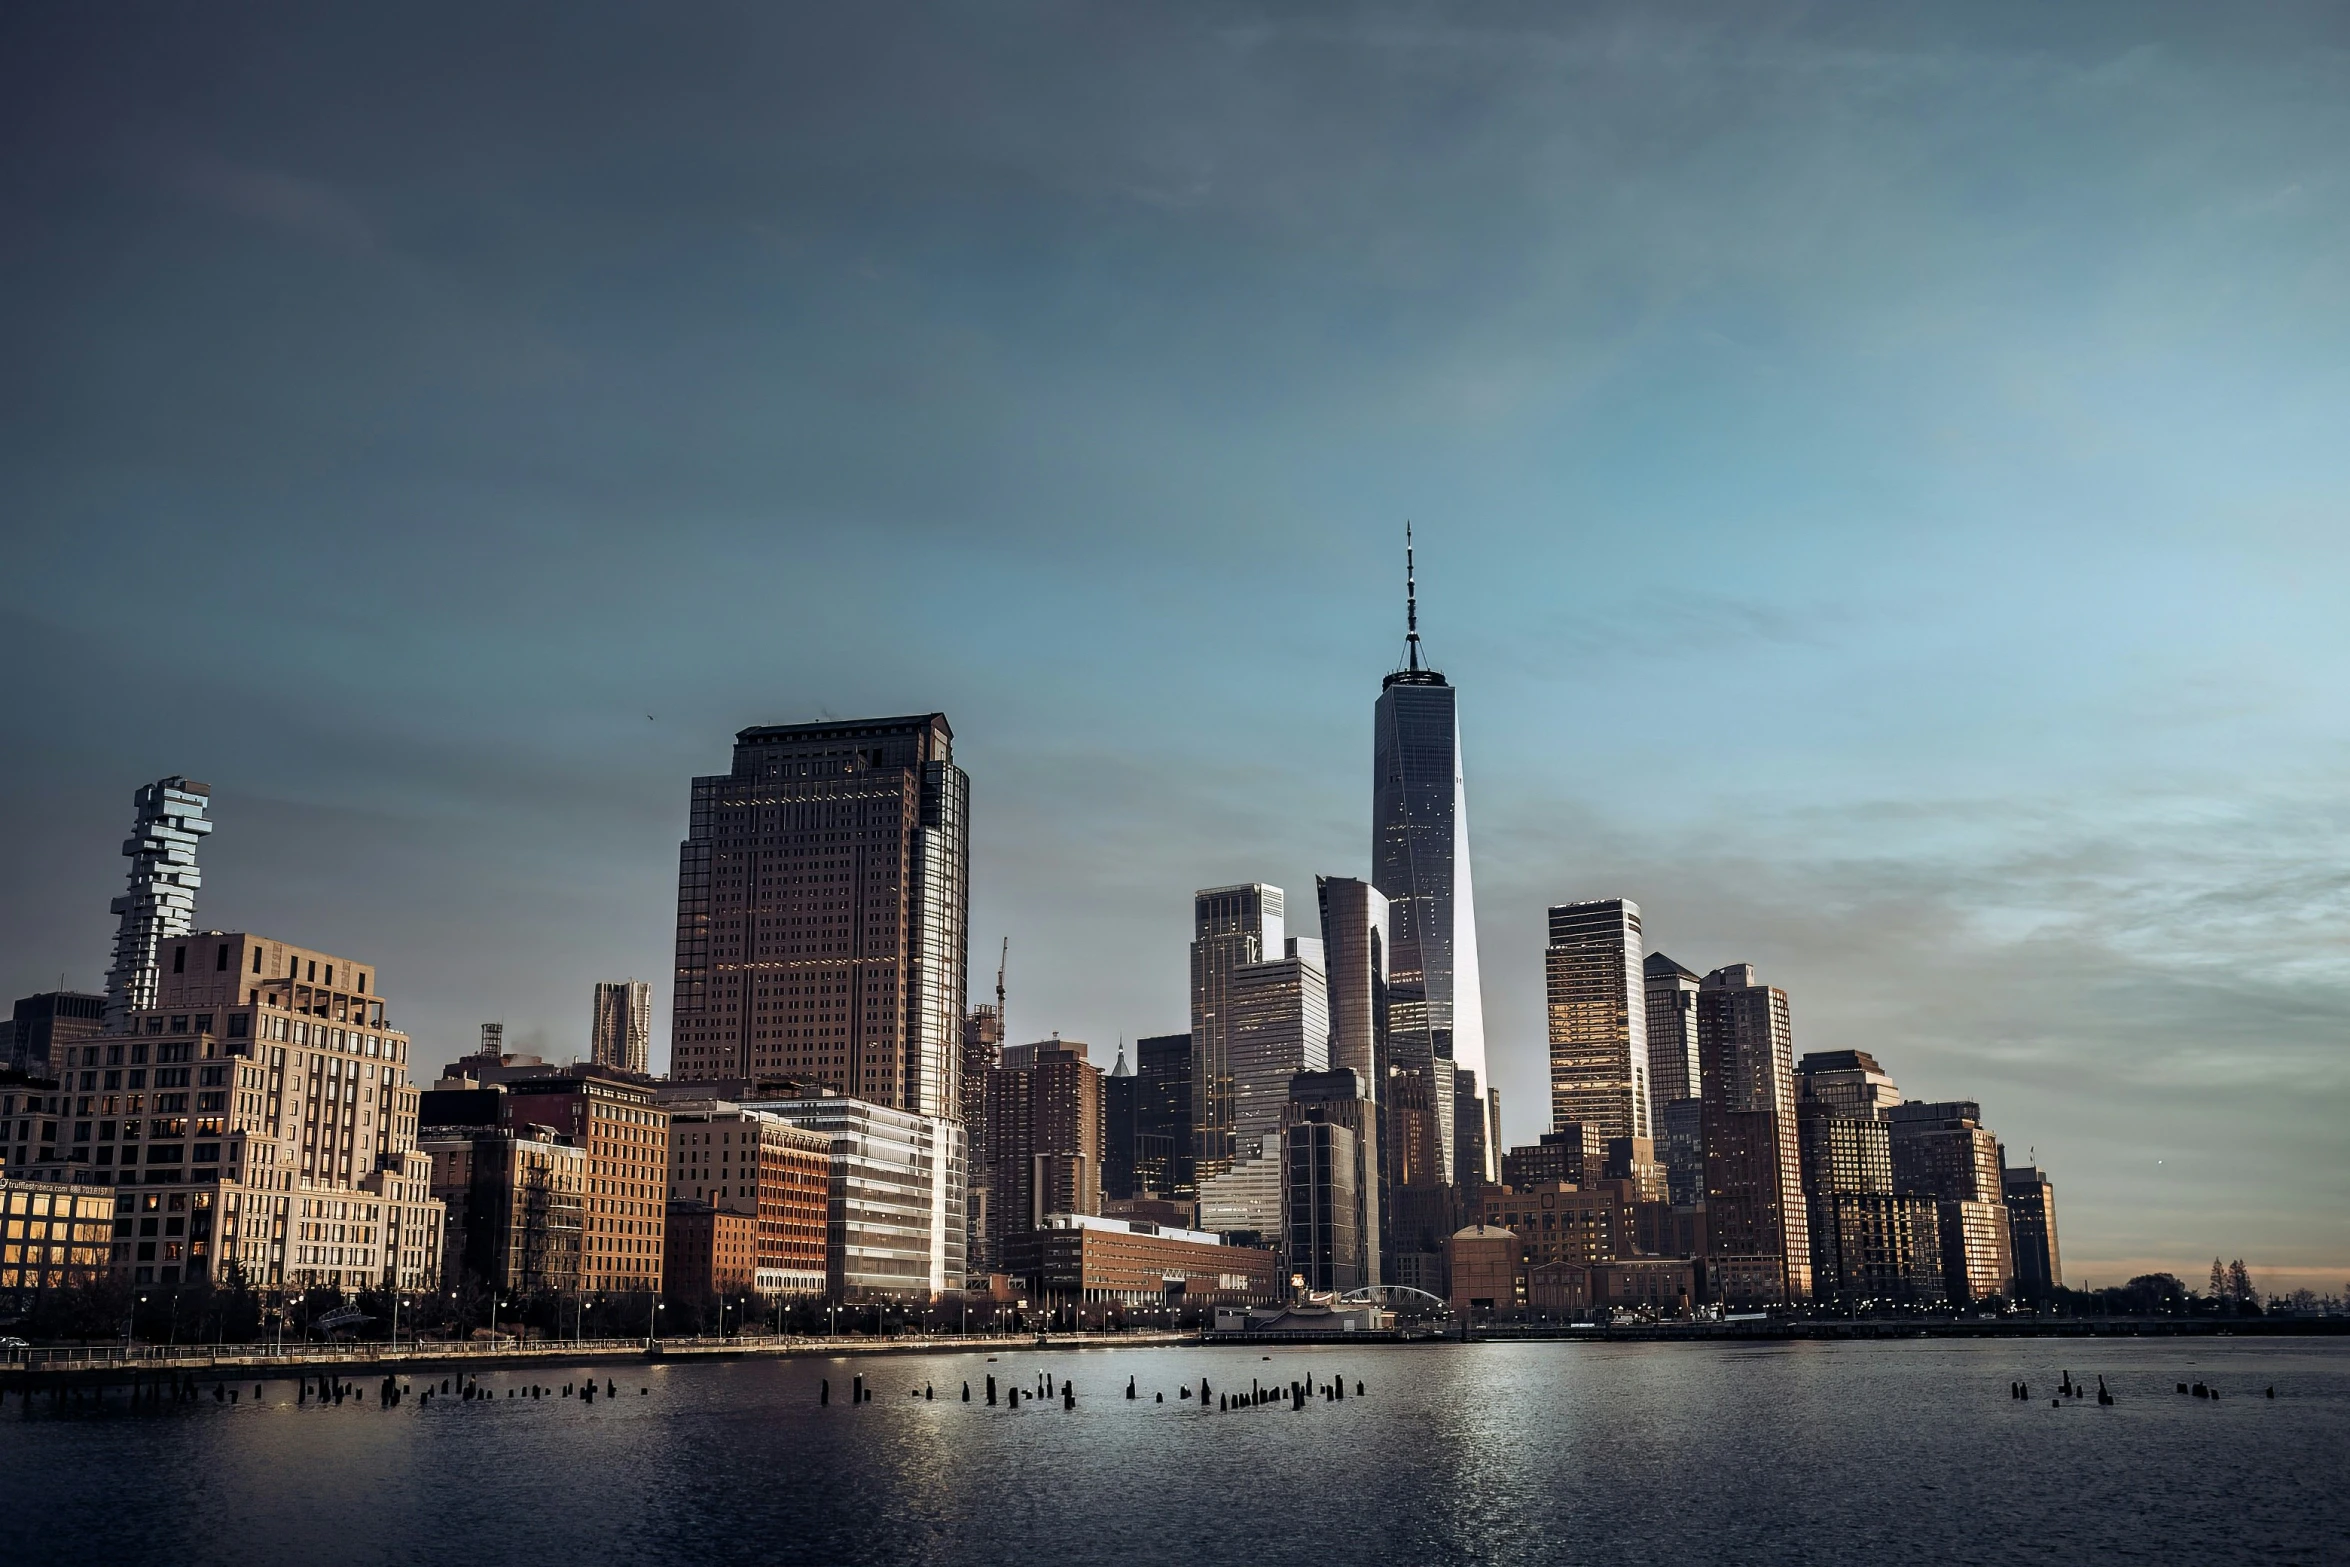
(1619, 1453)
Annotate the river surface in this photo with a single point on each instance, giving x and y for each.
(1632, 1455)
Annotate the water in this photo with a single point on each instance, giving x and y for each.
(1633, 1455)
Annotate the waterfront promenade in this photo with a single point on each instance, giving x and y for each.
(109, 1365)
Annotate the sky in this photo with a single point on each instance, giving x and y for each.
(1879, 472)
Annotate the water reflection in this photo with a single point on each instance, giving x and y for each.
(1491, 1453)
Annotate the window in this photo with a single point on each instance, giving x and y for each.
(179, 960)
(220, 964)
(256, 960)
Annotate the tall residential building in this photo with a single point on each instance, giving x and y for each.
(2031, 1228)
(625, 1135)
(1942, 1150)
(1758, 1240)
(1232, 927)
(1163, 1135)
(1044, 1138)
(894, 1214)
(263, 1111)
(1330, 1181)
(822, 904)
(1420, 862)
(1280, 1026)
(1598, 1011)
(45, 1024)
(161, 902)
(620, 1032)
(1670, 1014)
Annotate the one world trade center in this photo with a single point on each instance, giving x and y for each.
(1440, 1134)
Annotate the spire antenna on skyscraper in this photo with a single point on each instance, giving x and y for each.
(1411, 603)
(1413, 670)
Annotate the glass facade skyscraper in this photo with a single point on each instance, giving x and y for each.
(1598, 1018)
(1420, 862)
(1232, 927)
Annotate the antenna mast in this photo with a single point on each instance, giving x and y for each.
(1411, 602)
(1002, 959)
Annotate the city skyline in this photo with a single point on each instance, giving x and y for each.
(1860, 588)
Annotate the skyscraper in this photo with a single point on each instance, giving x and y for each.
(1420, 861)
(1232, 927)
(1354, 958)
(1598, 1007)
(1942, 1150)
(1163, 1137)
(822, 908)
(621, 1026)
(1849, 1080)
(1330, 1180)
(1120, 1090)
(1757, 1238)
(1670, 1014)
(1867, 1243)
(2031, 1228)
(1044, 1139)
(1280, 1026)
(161, 902)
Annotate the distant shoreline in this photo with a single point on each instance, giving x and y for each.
(240, 1364)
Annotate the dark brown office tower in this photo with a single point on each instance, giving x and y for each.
(1044, 1138)
(2031, 1228)
(822, 904)
(1757, 1237)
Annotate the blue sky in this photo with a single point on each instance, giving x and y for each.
(1879, 473)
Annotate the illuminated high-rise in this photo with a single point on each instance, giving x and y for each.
(1598, 1007)
(1758, 1235)
(1670, 1016)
